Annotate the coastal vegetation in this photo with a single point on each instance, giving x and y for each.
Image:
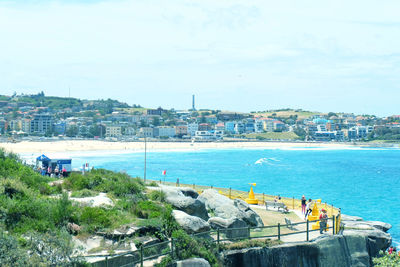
(385, 134)
(273, 136)
(387, 260)
(36, 211)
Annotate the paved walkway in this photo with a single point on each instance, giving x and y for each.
(300, 237)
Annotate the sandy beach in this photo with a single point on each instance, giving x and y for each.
(95, 145)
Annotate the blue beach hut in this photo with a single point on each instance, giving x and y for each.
(62, 162)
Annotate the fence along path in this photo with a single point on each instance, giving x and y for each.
(300, 231)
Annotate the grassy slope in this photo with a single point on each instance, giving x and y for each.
(286, 114)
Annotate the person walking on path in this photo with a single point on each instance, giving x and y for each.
(308, 208)
(303, 205)
(323, 221)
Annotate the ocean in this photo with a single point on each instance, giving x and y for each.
(361, 181)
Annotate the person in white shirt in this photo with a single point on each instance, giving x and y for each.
(308, 208)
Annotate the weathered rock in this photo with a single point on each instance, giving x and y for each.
(226, 226)
(128, 231)
(357, 223)
(189, 192)
(194, 262)
(350, 250)
(379, 225)
(351, 218)
(73, 228)
(190, 224)
(241, 205)
(377, 240)
(181, 198)
(213, 199)
(226, 208)
(97, 201)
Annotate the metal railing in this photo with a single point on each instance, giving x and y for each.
(291, 203)
(218, 236)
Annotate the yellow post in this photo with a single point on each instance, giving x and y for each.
(293, 202)
(252, 199)
(263, 199)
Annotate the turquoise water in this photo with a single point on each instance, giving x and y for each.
(363, 182)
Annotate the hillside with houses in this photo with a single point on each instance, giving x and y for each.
(39, 116)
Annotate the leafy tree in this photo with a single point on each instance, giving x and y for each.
(143, 123)
(72, 131)
(300, 132)
(156, 121)
(331, 114)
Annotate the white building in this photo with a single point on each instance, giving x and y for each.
(164, 131)
(259, 126)
(204, 135)
(192, 128)
(146, 132)
(239, 128)
(113, 131)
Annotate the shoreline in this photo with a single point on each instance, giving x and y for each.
(66, 146)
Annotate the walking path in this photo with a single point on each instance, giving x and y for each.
(271, 217)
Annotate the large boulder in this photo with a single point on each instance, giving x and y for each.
(226, 208)
(377, 239)
(348, 250)
(190, 224)
(229, 227)
(251, 216)
(184, 199)
(351, 218)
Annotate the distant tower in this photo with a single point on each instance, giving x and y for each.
(193, 107)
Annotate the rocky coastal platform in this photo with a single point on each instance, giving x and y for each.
(355, 245)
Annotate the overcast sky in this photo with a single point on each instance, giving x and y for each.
(233, 55)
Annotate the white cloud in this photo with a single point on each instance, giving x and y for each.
(255, 48)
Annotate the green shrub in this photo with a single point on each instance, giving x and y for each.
(169, 225)
(188, 247)
(63, 212)
(29, 213)
(251, 243)
(55, 248)
(84, 193)
(11, 167)
(387, 260)
(10, 253)
(153, 183)
(95, 218)
(13, 188)
(157, 195)
(147, 209)
(100, 180)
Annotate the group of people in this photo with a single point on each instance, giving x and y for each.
(306, 209)
(53, 173)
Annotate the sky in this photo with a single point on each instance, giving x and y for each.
(340, 56)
